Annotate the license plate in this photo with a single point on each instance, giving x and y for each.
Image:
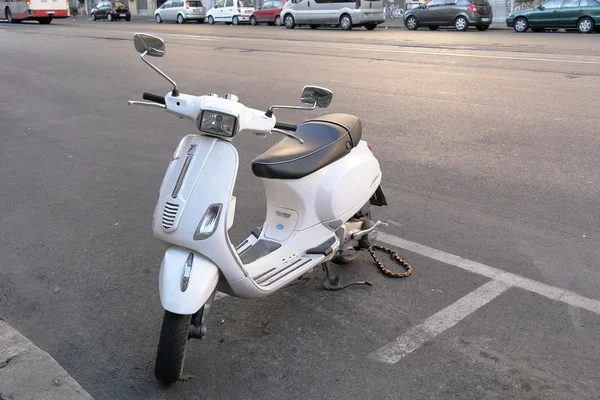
(485, 19)
(121, 15)
(198, 9)
(248, 12)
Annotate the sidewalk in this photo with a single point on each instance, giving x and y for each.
(28, 373)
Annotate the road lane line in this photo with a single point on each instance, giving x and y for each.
(445, 319)
(531, 285)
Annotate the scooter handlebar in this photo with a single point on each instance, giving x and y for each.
(154, 97)
(286, 126)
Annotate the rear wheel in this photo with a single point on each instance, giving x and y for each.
(110, 17)
(482, 27)
(521, 25)
(370, 26)
(180, 19)
(412, 23)
(585, 25)
(235, 21)
(211, 20)
(461, 24)
(278, 20)
(253, 21)
(170, 354)
(433, 27)
(289, 21)
(345, 22)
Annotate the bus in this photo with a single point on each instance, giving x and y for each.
(43, 11)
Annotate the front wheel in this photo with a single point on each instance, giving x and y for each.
(253, 21)
(128, 18)
(110, 17)
(211, 20)
(370, 26)
(289, 21)
(461, 24)
(412, 23)
(93, 16)
(585, 25)
(158, 19)
(345, 22)
(235, 21)
(170, 354)
(278, 20)
(521, 25)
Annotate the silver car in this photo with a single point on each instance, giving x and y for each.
(180, 11)
(343, 13)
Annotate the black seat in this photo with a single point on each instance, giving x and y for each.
(326, 139)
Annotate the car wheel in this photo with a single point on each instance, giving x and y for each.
(110, 17)
(93, 17)
(370, 26)
(253, 21)
(521, 25)
(461, 24)
(585, 25)
(128, 18)
(235, 20)
(158, 19)
(345, 22)
(314, 26)
(289, 21)
(180, 19)
(278, 20)
(412, 23)
(433, 27)
(211, 20)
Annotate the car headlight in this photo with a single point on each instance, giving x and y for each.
(216, 123)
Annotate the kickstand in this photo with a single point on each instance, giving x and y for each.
(333, 282)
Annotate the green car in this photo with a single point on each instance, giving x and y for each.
(581, 14)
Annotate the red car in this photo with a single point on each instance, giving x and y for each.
(268, 12)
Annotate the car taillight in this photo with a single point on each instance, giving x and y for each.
(240, 10)
(472, 8)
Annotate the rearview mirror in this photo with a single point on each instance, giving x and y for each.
(317, 96)
(149, 44)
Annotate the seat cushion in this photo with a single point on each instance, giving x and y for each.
(350, 122)
(324, 143)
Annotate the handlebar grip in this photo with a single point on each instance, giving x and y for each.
(154, 97)
(286, 126)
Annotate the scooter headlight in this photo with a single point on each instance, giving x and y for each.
(209, 222)
(216, 123)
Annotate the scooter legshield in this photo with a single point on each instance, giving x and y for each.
(186, 280)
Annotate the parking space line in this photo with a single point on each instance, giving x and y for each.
(531, 285)
(403, 345)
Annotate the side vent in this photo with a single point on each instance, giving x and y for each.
(169, 215)
(334, 224)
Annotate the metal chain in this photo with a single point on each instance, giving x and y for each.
(394, 255)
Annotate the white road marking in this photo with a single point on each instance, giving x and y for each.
(531, 285)
(393, 352)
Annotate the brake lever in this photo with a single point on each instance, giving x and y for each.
(146, 104)
(288, 134)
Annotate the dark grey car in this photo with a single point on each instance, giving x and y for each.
(458, 13)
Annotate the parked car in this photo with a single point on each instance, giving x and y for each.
(581, 14)
(343, 13)
(231, 12)
(268, 12)
(458, 13)
(110, 10)
(180, 11)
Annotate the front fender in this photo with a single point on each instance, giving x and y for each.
(186, 280)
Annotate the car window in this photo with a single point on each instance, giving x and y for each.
(220, 4)
(277, 4)
(583, 3)
(552, 4)
(481, 3)
(450, 2)
(571, 3)
(229, 3)
(266, 5)
(246, 3)
(196, 3)
(120, 5)
(434, 3)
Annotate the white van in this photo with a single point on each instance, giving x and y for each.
(231, 11)
(345, 13)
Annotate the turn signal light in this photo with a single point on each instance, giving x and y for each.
(208, 223)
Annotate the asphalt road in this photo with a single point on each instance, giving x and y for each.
(488, 143)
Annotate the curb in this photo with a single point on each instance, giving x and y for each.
(27, 372)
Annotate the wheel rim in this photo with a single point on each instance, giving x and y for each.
(252, 21)
(412, 23)
(9, 16)
(211, 20)
(289, 21)
(520, 25)
(585, 25)
(180, 19)
(235, 20)
(345, 23)
(278, 21)
(157, 18)
(460, 24)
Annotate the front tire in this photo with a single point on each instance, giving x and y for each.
(93, 17)
(110, 17)
(521, 25)
(211, 20)
(411, 23)
(235, 21)
(346, 22)
(278, 20)
(180, 19)
(461, 24)
(253, 21)
(128, 18)
(170, 355)
(158, 19)
(289, 21)
(585, 25)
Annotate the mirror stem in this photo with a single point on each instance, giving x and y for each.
(175, 92)
(269, 112)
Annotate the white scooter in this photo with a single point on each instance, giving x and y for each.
(320, 180)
